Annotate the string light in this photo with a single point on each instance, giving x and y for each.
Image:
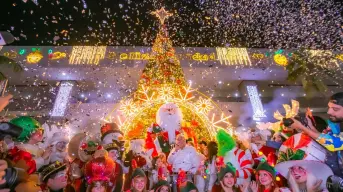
(128, 107)
(256, 102)
(62, 99)
(233, 56)
(204, 105)
(90, 55)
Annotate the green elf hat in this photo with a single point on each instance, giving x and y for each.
(29, 126)
(264, 166)
(160, 184)
(188, 186)
(227, 169)
(138, 172)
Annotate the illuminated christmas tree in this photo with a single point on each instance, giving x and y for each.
(163, 68)
(163, 82)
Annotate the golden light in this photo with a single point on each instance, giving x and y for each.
(57, 55)
(233, 56)
(204, 105)
(90, 55)
(166, 93)
(281, 59)
(128, 107)
(34, 57)
(161, 14)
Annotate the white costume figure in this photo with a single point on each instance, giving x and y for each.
(186, 158)
(169, 117)
(137, 147)
(59, 142)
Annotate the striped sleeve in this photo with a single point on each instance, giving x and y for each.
(245, 170)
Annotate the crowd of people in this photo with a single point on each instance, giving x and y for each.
(303, 155)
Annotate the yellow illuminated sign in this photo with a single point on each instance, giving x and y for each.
(90, 55)
(57, 55)
(34, 57)
(11, 55)
(233, 56)
(280, 59)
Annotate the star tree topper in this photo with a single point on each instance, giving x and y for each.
(162, 15)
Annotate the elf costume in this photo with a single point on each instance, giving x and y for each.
(231, 154)
(157, 140)
(77, 151)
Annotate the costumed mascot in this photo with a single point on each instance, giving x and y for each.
(137, 157)
(162, 134)
(28, 155)
(59, 142)
(112, 140)
(79, 152)
(30, 137)
(229, 153)
(169, 117)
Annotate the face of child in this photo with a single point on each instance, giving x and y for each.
(278, 138)
(299, 174)
(229, 180)
(265, 178)
(164, 189)
(139, 183)
(98, 187)
(159, 162)
(37, 136)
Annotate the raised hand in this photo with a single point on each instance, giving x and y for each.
(254, 186)
(4, 101)
(47, 152)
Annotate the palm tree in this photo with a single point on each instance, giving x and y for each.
(10, 63)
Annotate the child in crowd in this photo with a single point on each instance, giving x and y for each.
(138, 182)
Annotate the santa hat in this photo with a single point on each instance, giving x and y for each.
(109, 128)
(59, 137)
(99, 169)
(29, 126)
(48, 170)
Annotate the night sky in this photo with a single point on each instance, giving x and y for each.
(196, 23)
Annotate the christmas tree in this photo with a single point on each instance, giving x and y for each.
(164, 67)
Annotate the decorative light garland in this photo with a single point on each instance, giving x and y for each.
(233, 56)
(256, 102)
(62, 99)
(90, 55)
